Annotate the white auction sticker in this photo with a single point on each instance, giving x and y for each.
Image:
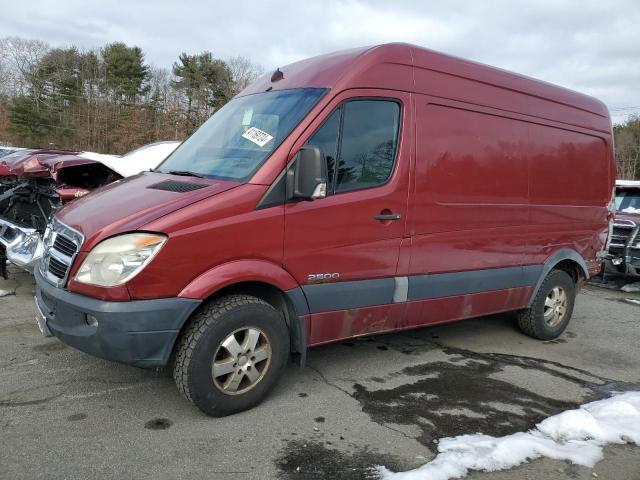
(257, 136)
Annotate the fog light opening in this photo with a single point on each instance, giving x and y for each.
(91, 321)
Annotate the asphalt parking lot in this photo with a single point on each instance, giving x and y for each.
(382, 400)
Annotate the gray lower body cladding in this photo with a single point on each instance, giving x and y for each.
(140, 333)
(324, 297)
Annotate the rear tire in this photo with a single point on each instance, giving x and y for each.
(551, 308)
(231, 354)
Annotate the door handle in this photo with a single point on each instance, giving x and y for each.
(383, 217)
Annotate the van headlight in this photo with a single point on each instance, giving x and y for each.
(118, 259)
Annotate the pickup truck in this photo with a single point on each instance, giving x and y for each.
(624, 246)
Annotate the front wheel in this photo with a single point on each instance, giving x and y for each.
(231, 354)
(551, 309)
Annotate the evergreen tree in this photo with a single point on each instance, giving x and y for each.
(28, 124)
(126, 72)
(206, 83)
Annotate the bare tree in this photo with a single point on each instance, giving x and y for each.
(627, 142)
(20, 58)
(243, 72)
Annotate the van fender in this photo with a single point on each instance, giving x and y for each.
(239, 271)
(555, 259)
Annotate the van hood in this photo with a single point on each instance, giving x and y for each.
(128, 204)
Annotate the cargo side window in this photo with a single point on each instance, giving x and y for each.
(368, 144)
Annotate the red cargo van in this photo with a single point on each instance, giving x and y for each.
(360, 192)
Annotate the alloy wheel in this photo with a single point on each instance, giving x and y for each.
(241, 361)
(555, 306)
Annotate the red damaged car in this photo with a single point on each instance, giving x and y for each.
(35, 183)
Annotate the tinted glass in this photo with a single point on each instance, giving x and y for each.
(628, 201)
(368, 144)
(240, 136)
(326, 139)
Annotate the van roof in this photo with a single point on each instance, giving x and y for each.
(401, 66)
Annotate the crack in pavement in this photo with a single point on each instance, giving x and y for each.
(462, 393)
(351, 395)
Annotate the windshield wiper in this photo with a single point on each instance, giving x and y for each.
(185, 173)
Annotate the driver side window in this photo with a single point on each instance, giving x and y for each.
(359, 140)
(326, 139)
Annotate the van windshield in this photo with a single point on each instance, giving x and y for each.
(240, 136)
(628, 201)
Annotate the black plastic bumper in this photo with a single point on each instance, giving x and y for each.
(140, 333)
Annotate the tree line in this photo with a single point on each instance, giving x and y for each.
(109, 99)
(627, 141)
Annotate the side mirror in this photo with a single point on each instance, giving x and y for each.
(307, 176)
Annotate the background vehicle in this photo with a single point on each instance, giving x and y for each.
(624, 247)
(35, 183)
(360, 192)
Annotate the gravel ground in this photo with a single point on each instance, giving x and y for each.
(380, 400)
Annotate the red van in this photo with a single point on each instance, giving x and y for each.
(360, 192)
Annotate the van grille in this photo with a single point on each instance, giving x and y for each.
(57, 268)
(620, 235)
(65, 245)
(61, 245)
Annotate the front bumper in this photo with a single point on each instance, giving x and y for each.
(23, 245)
(624, 247)
(626, 260)
(140, 333)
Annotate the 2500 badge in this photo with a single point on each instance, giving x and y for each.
(322, 277)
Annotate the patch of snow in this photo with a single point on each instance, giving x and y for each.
(6, 293)
(575, 435)
(631, 287)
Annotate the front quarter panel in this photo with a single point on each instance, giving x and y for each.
(235, 272)
(209, 233)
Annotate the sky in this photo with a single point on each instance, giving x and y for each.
(589, 46)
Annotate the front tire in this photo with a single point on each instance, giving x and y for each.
(231, 354)
(551, 309)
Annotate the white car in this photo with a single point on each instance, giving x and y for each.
(139, 160)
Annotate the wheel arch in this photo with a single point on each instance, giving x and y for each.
(264, 280)
(567, 260)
